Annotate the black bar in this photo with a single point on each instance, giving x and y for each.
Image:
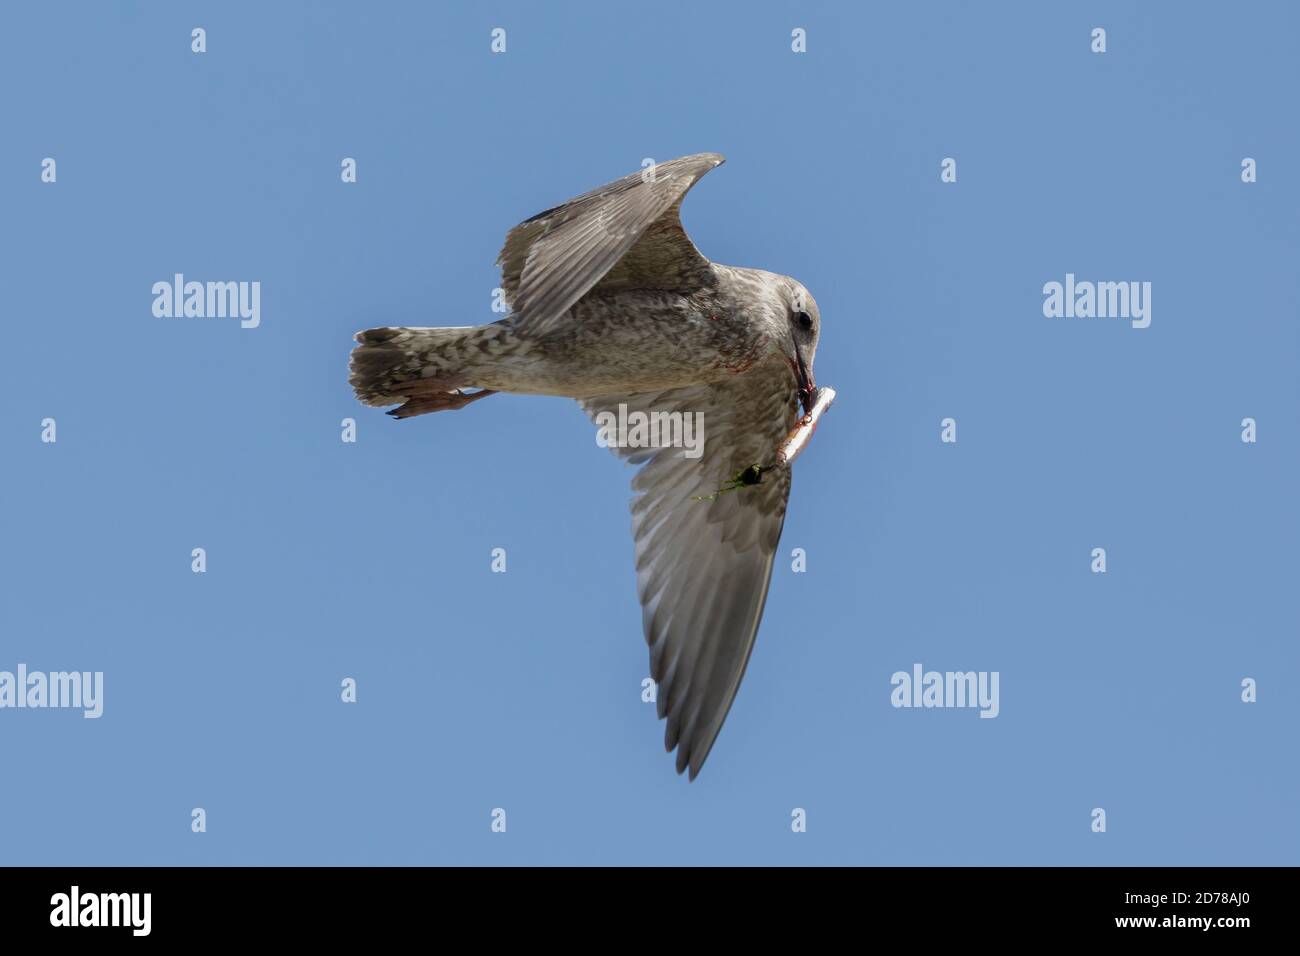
(208, 905)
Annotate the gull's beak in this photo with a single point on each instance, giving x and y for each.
(803, 375)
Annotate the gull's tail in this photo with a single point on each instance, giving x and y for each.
(423, 370)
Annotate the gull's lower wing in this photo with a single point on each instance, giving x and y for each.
(703, 567)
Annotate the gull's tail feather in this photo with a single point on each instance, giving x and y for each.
(423, 370)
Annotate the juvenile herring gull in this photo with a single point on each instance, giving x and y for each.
(612, 304)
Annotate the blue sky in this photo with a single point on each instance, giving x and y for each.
(522, 690)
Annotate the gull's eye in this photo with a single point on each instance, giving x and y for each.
(804, 320)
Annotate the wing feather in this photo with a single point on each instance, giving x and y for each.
(703, 567)
(626, 234)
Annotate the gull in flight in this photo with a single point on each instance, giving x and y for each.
(612, 304)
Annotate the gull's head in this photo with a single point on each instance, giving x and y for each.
(790, 321)
(803, 326)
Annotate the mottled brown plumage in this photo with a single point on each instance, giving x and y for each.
(614, 306)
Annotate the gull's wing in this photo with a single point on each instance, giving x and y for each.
(703, 567)
(552, 260)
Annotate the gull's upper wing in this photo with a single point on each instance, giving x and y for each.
(703, 567)
(552, 260)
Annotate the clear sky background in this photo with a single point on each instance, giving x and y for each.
(522, 690)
